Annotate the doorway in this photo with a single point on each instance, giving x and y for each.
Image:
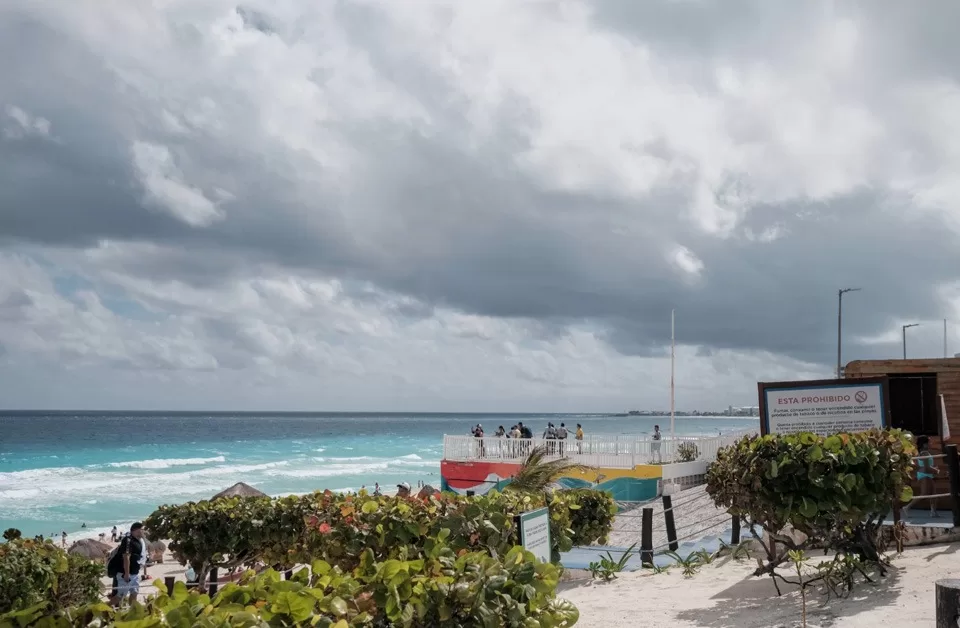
(914, 404)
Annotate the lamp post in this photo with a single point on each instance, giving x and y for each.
(840, 294)
(905, 327)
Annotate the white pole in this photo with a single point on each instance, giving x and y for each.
(673, 359)
(944, 337)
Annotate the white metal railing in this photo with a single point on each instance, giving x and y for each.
(615, 451)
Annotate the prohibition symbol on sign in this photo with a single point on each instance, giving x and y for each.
(860, 396)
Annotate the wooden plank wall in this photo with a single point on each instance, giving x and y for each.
(948, 381)
(948, 385)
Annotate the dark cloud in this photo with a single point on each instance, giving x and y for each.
(448, 212)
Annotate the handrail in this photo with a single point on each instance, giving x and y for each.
(618, 451)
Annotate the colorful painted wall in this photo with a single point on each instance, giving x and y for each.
(637, 484)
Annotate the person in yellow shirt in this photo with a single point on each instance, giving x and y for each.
(579, 438)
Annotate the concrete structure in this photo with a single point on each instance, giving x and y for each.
(628, 467)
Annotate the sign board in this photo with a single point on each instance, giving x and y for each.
(535, 533)
(824, 406)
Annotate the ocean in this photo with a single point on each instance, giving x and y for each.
(61, 470)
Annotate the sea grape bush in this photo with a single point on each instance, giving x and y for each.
(836, 490)
(338, 528)
(35, 572)
(687, 451)
(591, 515)
(443, 589)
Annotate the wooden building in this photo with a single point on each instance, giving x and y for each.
(915, 388)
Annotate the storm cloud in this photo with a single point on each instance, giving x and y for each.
(467, 205)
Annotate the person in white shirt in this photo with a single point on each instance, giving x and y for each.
(655, 445)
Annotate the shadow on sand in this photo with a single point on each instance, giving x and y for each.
(753, 603)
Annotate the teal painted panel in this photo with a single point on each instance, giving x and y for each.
(622, 489)
(630, 489)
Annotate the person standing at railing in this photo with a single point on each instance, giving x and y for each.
(478, 434)
(655, 445)
(925, 474)
(579, 438)
(550, 435)
(562, 437)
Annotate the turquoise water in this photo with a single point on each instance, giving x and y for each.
(60, 470)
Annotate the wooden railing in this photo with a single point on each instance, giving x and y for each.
(619, 451)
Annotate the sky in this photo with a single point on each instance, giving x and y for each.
(472, 206)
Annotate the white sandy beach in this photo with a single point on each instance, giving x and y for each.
(725, 595)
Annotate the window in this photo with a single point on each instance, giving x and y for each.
(914, 405)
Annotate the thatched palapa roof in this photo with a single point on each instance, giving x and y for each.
(240, 489)
(90, 548)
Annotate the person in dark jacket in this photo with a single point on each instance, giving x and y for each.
(124, 565)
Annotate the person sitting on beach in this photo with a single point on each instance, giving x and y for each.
(403, 489)
(500, 433)
(124, 566)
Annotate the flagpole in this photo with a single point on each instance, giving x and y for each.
(673, 360)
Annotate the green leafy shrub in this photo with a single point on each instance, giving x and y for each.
(687, 451)
(443, 589)
(607, 568)
(234, 532)
(836, 490)
(226, 532)
(591, 515)
(38, 572)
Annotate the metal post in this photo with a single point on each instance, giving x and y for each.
(953, 467)
(839, 328)
(671, 524)
(646, 537)
(288, 574)
(735, 531)
(212, 585)
(905, 327)
(840, 294)
(169, 582)
(948, 603)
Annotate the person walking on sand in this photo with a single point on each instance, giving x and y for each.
(655, 445)
(113, 535)
(124, 566)
(579, 438)
(63, 538)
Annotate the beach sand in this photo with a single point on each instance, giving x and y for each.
(725, 595)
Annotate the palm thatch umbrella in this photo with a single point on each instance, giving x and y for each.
(240, 489)
(89, 548)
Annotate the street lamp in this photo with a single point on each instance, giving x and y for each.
(905, 338)
(840, 294)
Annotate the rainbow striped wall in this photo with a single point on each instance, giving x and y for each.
(637, 484)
